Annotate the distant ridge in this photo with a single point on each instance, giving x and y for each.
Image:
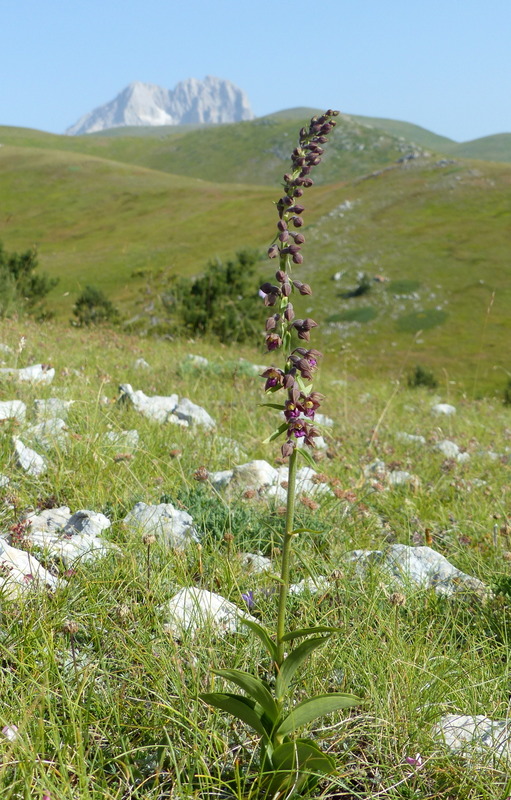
(213, 100)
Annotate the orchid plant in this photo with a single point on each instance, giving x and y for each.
(290, 765)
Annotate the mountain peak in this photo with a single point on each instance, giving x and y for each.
(213, 100)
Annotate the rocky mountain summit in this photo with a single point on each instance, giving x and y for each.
(213, 100)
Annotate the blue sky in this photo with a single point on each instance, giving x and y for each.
(444, 64)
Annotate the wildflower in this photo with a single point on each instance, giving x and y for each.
(248, 597)
(10, 732)
(201, 474)
(415, 762)
(274, 378)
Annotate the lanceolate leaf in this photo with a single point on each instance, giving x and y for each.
(275, 435)
(293, 661)
(305, 454)
(254, 687)
(302, 754)
(315, 707)
(278, 406)
(309, 632)
(263, 635)
(239, 706)
(303, 530)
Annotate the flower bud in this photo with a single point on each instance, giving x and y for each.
(273, 341)
(284, 236)
(296, 209)
(289, 312)
(286, 288)
(297, 258)
(273, 251)
(299, 238)
(297, 222)
(281, 276)
(298, 192)
(271, 322)
(282, 225)
(287, 449)
(307, 182)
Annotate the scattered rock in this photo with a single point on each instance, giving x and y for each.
(255, 562)
(475, 734)
(13, 409)
(173, 527)
(123, 440)
(420, 567)
(157, 408)
(443, 408)
(198, 361)
(29, 461)
(141, 364)
(322, 419)
(36, 373)
(312, 585)
(193, 414)
(21, 572)
(48, 434)
(411, 437)
(69, 536)
(192, 609)
(52, 407)
(264, 480)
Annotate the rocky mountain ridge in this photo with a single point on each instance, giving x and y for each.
(211, 101)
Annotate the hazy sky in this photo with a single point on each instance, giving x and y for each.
(442, 64)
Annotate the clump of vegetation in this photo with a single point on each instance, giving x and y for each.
(93, 307)
(220, 302)
(21, 289)
(363, 287)
(422, 377)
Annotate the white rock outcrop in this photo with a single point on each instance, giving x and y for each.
(68, 536)
(404, 567)
(475, 734)
(27, 459)
(170, 525)
(192, 609)
(21, 571)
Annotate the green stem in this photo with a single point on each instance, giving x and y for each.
(286, 557)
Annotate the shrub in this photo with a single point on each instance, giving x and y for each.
(93, 308)
(422, 377)
(220, 302)
(21, 290)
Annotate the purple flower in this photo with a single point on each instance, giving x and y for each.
(248, 597)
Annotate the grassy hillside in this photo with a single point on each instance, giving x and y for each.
(490, 148)
(436, 229)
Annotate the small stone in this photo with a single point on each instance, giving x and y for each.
(443, 408)
(29, 461)
(192, 609)
(172, 526)
(12, 409)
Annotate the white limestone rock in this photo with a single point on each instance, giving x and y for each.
(220, 479)
(322, 419)
(52, 432)
(443, 408)
(311, 585)
(13, 409)
(4, 481)
(255, 562)
(28, 460)
(411, 437)
(448, 449)
(155, 407)
(192, 610)
(193, 414)
(52, 407)
(36, 373)
(197, 361)
(21, 572)
(170, 525)
(70, 537)
(260, 477)
(401, 477)
(122, 440)
(475, 734)
(141, 364)
(405, 567)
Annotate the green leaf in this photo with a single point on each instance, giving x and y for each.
(239, 706)
(254, 687)
(303, 530)
(263, 636)
(309, 632)
(278, 406)
(297, 766)
(304, 452)
(293, 661)
(315, 707)
(275, 435)
(301, 754)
